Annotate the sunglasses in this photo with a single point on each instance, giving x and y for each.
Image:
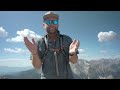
(49, 22)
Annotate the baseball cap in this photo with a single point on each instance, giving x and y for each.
(50, 14)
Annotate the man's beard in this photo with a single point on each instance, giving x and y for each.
(54, 31)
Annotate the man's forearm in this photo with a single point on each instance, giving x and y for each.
(36, 61)
(73, 59)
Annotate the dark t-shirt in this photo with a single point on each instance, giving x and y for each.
(49, 63)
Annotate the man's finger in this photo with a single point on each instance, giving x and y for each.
(27, 42)
(25, 39)
(77, 43)
(74, 41)
(33, 40)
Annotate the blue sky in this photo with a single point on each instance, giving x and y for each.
(97, 31)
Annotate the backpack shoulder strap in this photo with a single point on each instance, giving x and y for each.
(61, 41)
(61, 47)
(45, 41)
(63, 51)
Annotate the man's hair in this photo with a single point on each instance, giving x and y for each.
(50, 14)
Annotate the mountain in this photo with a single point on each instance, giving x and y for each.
(28, 74)
(97, 69)
(81, 69)
(10, 70)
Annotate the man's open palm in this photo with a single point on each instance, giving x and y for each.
(32, 47)
(74, 46)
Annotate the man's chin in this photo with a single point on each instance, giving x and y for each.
(52, 32)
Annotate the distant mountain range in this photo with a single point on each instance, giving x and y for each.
(97, 69)
(10, 70)
(94, 69)
(28, 74)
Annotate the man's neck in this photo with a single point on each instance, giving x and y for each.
(53, 36)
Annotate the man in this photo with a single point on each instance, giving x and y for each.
(54, 51)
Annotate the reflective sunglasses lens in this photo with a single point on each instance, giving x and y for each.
(55, 22)
(48, 22)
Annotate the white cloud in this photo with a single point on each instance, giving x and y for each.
(24, 33)
(16, 39)
(81, 50)
(3, 33)
(16, 50)
(107, 36)
(84, 56)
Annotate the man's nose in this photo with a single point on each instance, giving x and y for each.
(52, 24)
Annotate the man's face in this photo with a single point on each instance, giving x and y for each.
(51, 25)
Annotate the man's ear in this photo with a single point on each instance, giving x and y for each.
(44, 25)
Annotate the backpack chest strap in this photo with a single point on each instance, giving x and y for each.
(56, 49)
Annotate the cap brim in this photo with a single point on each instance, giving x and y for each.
(51, 15)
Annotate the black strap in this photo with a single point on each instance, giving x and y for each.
(61, 47)
(46, 46)
(63, 52)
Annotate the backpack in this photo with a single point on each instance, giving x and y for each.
(61, 49)
(45, 39)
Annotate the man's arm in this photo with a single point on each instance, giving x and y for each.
(32, 47)
(36, 61)
(73, 51)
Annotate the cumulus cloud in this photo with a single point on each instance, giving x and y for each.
(107, 36)
(3, 33)
(81, 50)
(24, 33)
(16, 50)
(16, 39)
